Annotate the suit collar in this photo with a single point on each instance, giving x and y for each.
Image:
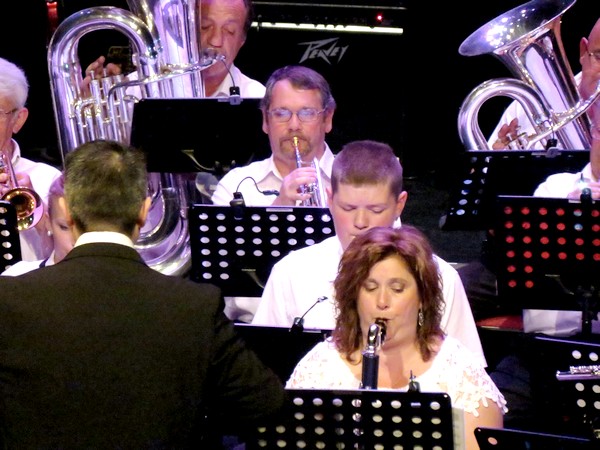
(104, 249)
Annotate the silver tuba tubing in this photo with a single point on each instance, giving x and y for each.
(74, 123)
(527, 40)
(164, 37)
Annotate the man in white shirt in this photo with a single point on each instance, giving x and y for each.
(366, 191)
(224, 25)
(297, 104)
(14, 89)
(568, 185)
(514, 121)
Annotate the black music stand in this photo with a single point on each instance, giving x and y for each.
(507, 439)
(209, 135)
(236, 247)
(10, 243)
(549, 254)
(567, 402)
(507, 172)
(277, 348)
(359, 419)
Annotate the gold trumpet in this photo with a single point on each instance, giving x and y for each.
(314, 189)
(27, 202)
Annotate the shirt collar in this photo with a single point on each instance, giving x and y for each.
(16, 153)
(104, 237)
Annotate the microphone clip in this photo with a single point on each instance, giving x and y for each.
(238, 205)
(298, 324)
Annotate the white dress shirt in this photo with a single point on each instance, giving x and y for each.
(266, 176)
(42, 175)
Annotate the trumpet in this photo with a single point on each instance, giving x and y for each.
(314, 189)
(27, 202)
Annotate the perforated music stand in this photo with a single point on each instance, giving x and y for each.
(10, 245)
(570, 403)
(549, 254)
(359, 419)
(502, 172)
(236, 247)
(507, 439)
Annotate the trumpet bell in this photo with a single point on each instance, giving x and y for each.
(28, 204)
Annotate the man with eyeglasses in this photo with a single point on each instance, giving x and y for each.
(14, 89)
(297, 104)
(514, 121)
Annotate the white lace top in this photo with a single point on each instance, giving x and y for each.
(454, 371)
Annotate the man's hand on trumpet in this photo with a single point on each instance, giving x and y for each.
(291, 186)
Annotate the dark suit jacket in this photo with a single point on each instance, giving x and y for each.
(101, 351)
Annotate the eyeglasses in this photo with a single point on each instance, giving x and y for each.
(595, 55)
(7, 113)
(304, 115)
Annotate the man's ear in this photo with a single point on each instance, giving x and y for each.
(583, 49)
(62, 203)
(144, 209)
(329, 193)
(401, 203)
(265, 123)
(21, 119)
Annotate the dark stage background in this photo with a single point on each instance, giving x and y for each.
(406, 90)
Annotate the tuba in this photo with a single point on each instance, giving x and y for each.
(527, 39)
(165, 41)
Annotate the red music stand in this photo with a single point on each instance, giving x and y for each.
(549, 254)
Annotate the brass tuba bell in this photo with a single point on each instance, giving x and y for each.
(527, 39)
(27, 202)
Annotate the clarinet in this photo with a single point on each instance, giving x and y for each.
(370, 362)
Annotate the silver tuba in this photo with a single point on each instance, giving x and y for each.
(527, 39)
(165, 41)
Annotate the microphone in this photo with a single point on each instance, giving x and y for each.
(298, 325)
(238, 199)
(238, 204)
(586, 195)
(413, 385)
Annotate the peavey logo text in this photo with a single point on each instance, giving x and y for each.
(327, 50)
